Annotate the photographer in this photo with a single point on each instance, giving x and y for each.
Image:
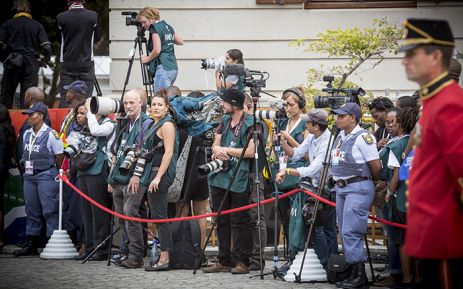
(315, 146)
(127, 190)
(292, 134)
(21, 38)
(228, 146)
(161, 59)
(90, 167)
(161, 144)
(233, 56)
(42, 156)
(355, 163)
(378, 108)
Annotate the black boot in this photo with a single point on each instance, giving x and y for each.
(29, 250)
(353, 273)
(359, 280)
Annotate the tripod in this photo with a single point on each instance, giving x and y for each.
(258, 144)
(321, 186)
(147, 82)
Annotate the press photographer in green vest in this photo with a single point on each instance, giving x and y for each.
(228, 146)
(126, 186)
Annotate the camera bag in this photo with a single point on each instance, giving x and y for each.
(337, 269)
(186, 249)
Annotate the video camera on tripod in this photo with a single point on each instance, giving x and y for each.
(338, 97)
(131, 19)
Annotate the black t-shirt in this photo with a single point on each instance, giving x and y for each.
(79, 29)
(23, 35)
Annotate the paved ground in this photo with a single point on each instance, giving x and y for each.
(33, 272)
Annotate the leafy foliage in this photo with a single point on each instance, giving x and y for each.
(359, 45)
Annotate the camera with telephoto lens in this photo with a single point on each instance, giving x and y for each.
(308, 210)
(212, 63)
(339, 96)
(131, 156)
(71, 151)
(106, 105)
(214, 167)
(278, 110)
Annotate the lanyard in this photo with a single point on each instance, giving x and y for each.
(31, 143)
(294, 126)
(237, 130)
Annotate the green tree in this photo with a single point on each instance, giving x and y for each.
(359, 45)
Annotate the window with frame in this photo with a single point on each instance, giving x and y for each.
(345, 4)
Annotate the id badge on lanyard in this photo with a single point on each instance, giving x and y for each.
(29, 165)
(283, 161)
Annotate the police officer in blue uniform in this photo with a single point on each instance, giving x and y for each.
(355, 163)
(42, 156)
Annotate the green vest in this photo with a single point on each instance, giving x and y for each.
(398, 147)
(148, 145)
(100, 160)
(167, 55)
(222, 179)
(128, 138)
(292, 181)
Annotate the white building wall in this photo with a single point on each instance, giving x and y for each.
(262, 33)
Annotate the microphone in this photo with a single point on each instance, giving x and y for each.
(234, 69)
(250, 71)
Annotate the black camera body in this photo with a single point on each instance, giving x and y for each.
(339, 96)
(131, 18)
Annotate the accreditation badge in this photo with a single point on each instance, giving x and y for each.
(29, 168)
(283, 161)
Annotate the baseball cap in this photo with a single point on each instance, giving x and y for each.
(349, 108)
(426, 31)
(234, 97)
(78, 86)
(316, 115)
(37, 107)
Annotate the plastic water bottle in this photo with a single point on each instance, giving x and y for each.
(154, 257)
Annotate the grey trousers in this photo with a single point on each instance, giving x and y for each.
(131, 205)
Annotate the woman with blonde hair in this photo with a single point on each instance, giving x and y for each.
(161, 58)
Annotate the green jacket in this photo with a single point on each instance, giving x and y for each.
(127, 139)
(149, 145)
(298, 134)
(397, 147)
(222, 179)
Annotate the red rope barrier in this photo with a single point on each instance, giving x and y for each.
(247, 207)
(371, 217)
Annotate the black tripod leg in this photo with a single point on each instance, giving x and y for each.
(110, 236)
(225, 196)
(373, 279)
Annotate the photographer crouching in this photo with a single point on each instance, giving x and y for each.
(127, 190)
(227, 148)
(315, 147)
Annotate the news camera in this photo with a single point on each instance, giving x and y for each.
(338, 97)
(131, 19)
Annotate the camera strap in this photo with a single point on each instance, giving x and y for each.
(237, 129)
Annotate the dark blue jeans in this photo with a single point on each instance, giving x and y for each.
(326, 241)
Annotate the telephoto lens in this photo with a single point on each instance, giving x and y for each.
(128, 163)
(213, 167)
(139, 167)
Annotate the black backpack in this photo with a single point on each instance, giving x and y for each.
(186, 245)
(337, 269)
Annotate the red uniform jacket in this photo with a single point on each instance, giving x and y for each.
(435, 213)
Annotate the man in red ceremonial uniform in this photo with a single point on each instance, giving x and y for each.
(435, 213)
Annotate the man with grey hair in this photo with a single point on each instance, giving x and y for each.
(127, 191)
